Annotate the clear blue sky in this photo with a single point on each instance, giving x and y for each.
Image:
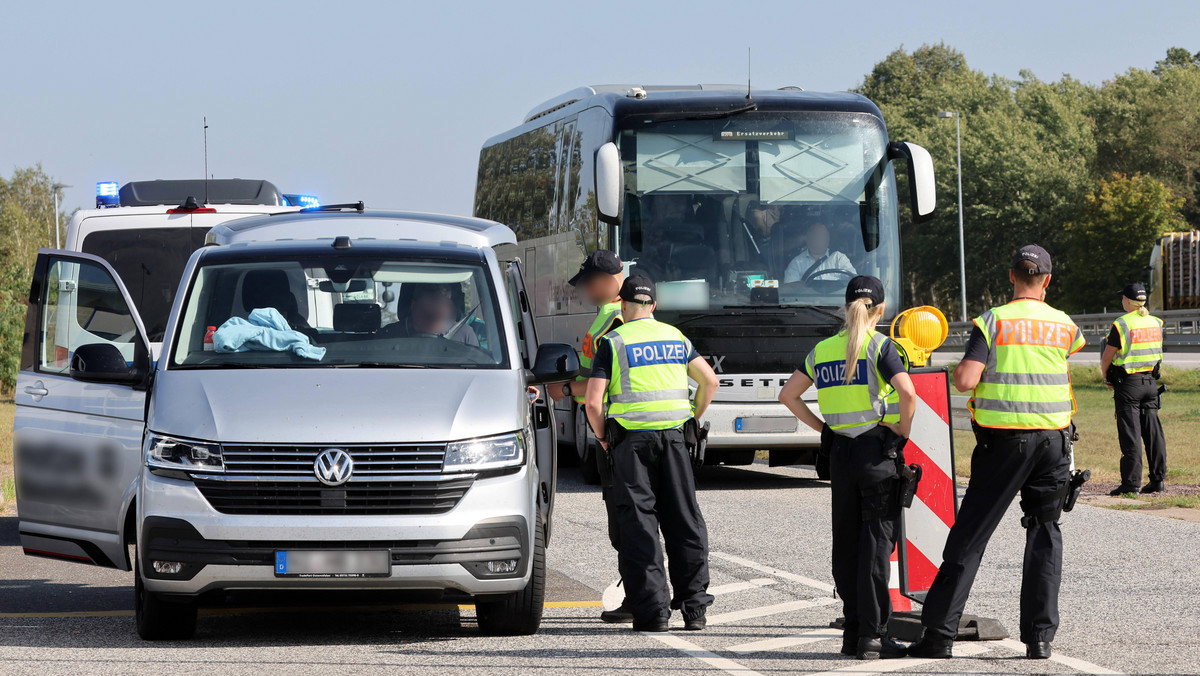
(389, 101)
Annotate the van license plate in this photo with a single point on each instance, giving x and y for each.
(765, 425)
(333, 563)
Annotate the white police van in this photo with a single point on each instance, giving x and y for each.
(147, 230)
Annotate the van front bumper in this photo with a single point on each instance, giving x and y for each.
(447, 551)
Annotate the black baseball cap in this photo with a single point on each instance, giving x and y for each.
(865, 286)
(1135, 291)
(599, 261)
(1034, 254)
(638, 289)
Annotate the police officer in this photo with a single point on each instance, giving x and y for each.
(599, 279)
(1016, 363)
(641, 370)
(1130, 366)
(855, 371)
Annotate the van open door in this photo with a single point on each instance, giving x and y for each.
(80, 418)
(543, 420)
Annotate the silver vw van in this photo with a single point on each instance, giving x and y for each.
(340, 403)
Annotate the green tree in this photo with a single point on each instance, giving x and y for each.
(1122, 219)
(26, 224)
(1028, 149)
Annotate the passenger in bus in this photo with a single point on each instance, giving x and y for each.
(807, 265)
(432, 312)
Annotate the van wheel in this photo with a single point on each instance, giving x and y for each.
(160, 618)
(585, 443)
(518, 614)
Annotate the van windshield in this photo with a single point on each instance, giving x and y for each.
(341, 311)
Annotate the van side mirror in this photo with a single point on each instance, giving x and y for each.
(103, 363)
(554, 363)
(922, 190)
(609, 183)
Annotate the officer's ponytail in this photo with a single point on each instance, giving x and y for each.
(861, 316)
(1139, 306)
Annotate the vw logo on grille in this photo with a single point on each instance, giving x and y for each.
(333, 467)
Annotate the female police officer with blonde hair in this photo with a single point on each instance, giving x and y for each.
(854, 371)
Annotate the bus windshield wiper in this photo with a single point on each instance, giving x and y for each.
(715, 115)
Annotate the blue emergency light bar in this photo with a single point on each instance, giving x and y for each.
(304, 201)
(107, 194)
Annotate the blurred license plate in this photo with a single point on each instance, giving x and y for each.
(333, 563)
(765, 425)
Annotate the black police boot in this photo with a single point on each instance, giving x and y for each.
(619, 615)
(1122, 490)
(879, 648)
(1038, 650)
(657, 624)
(932, 647)
(696, 623)
(1154, 487)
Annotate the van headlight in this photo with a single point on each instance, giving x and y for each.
(169, 453)
(481, 454)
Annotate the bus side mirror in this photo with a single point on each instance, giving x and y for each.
(609, 180)
(922, 190)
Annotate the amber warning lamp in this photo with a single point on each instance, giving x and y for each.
(920, 331)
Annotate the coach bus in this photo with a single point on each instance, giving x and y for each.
(751, 210)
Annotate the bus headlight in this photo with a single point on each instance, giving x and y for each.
(169, 453)
(481, 454)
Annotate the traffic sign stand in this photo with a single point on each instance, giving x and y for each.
(925, 525)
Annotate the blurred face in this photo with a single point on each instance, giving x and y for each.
(764, 218)
(600, 289)
(818, 239)
(432, 312)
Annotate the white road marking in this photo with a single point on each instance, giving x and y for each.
(710, 658)
(775, 572)
(763, 611)
(1080, 665)
(782, 642)
(740, 586)
(883, 666)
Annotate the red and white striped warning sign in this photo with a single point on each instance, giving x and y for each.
(925, 526)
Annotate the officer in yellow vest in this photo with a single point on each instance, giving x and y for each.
(599, 280)
(1130, 366)
(1016, 363)
(641, 373)
(855, 371)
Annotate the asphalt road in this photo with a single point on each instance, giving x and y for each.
(1129, 605)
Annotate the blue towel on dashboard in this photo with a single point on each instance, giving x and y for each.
(265, 330)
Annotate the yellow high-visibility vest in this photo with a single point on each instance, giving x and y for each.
(602, 324)
(1141, 342)
(854, 409)
(1025, 383)
(649, 385)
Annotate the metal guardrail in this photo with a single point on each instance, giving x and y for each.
(1181, 329)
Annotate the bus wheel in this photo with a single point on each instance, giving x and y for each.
(585, 447)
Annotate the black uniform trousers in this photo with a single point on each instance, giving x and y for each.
(865, 525)
(610, 502)
(1137, 403)
(653, 488)
(1035, 464)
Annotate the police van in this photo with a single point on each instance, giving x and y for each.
(147, 230)
(350, 451)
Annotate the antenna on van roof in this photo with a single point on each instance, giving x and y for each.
(747, 73)
(205, 119)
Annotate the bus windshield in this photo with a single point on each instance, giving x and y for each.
(762, 208)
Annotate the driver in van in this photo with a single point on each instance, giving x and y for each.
(432, 313)
(818, 256)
